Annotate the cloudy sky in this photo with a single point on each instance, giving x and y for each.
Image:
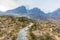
(44, 5)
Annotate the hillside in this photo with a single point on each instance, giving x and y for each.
(11, 25)
(44, 31)
(41, 30)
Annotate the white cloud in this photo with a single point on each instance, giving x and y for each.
(7, 4)
(45, 5)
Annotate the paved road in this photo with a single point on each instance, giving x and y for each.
(22, 33)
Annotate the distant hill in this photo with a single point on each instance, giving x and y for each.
(34, 13)
(21, 9)
(1, 12)
(55, 15)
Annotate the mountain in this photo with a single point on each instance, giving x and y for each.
(1, 12)
(36, 13)
(21, 9)
(55, 14)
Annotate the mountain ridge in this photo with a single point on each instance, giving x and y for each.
(34, 13)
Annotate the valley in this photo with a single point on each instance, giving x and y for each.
(46, 26)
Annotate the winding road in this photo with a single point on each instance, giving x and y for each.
(22, 33)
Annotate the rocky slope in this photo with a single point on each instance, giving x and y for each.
(11, 25)
(44, 31)
(41, 30)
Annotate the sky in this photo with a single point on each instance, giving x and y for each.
(44, 5)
